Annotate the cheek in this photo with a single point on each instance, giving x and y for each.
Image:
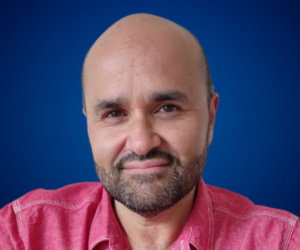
(105, 144)
(186, 139)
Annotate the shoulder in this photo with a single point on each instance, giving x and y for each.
(45, 209)
(250, 224)
(240, 207)
(70, 196)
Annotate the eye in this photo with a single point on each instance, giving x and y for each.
(168, 108)
(114, 114)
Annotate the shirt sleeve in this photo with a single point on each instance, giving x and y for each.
(295, 239)
(9, 233)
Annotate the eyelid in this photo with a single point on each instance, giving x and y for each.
(107, 113)
(167, 104)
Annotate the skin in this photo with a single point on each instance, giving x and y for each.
(139, 57)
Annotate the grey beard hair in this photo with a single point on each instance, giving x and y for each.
(150, 194)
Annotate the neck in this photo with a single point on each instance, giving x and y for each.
(158, 232)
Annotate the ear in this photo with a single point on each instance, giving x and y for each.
(214, 102)
(84, 111)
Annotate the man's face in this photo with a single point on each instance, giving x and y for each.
(148, 124)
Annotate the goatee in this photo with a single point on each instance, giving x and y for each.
(150, 194)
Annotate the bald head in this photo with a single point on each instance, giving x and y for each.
(149, 37)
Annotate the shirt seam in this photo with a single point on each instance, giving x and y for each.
(290, 221)
(211, 221)
(18, 211)
(18, 208)
(289, 233)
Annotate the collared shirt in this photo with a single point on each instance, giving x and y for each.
(80, 216)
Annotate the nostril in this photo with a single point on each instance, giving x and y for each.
(141, 143)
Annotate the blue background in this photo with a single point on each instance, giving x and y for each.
(253, 52)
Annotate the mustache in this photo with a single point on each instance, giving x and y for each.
(152, 154)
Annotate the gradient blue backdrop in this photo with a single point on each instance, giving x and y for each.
(253, 52)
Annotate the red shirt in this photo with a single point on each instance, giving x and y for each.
(80, 216)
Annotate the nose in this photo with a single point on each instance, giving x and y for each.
(141, 137)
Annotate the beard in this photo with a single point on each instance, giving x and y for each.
(150, 194)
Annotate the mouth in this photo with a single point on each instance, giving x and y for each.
(146, 167)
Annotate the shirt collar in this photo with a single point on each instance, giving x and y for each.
(198, 230)
(105, 227)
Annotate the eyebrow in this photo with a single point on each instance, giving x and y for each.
(108, 104)
(172, 95)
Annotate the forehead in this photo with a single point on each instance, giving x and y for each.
(130, 74)
(143, 62)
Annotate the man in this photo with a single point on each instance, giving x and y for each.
(150, 108)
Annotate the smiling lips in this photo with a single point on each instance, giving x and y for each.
(147, 166)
